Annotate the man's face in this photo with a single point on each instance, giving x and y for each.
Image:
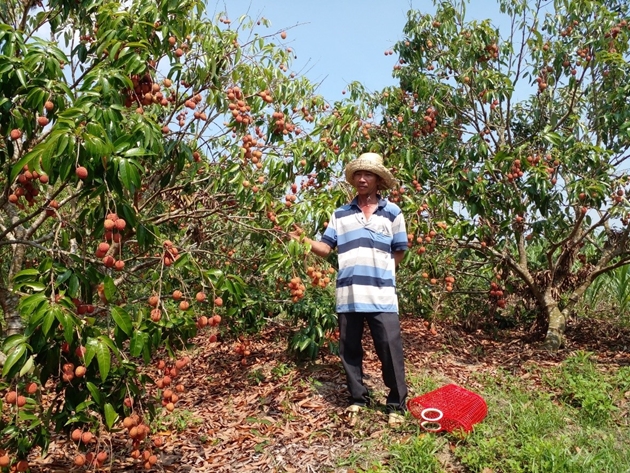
(365, 182)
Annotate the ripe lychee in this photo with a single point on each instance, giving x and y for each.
(82, 173)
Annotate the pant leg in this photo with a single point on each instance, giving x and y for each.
(351, 353)
(385, 330)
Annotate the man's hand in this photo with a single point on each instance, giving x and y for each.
(317, 247)
(297, 233)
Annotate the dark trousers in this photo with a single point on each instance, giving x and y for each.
(385, 331)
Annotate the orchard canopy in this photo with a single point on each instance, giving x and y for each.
(153, 159)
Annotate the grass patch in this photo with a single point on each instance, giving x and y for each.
(575, 421)
(419, 453)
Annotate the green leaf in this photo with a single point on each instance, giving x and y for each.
(32, 303)
(16, 355)
(26, 275)
(138, 152)
(103, 358)
(90, 351)
(304, 344)
(109, 288)
(110, 415)
(138, 342)
(13, 341)
(122, 319)
(64, 277)
(73, 286)
(181, 261)
(36, 286)
(21, 76)
(28, 366)
(47, 323)
(84, 406)
(109, 343)
(95, 392)
(553, 138)
(129, 175)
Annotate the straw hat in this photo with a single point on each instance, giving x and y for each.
(371, 162)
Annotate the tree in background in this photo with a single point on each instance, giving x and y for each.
(149, 162)
(511, 146)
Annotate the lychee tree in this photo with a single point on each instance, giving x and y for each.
(511, 143)
(147, 154)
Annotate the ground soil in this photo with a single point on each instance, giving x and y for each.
(271, 414)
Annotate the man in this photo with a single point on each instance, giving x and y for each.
(370, 236)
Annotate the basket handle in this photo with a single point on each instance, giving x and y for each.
(431, 426)
(431, 414)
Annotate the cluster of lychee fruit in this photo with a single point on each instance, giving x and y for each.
(14, 398)
(429, 121)
(27, 186)
(280, 123)
(183, 304)
(169, 390)
(170, 395)
(422, 240)
(395, 195)
(90, 459)
(497, 295)
(243, 349)
(170, 254)
(82, 308)
(491, 51)
(138, 431)
(69, 371)
(43, 120)
(311, 181)
(272, 217)
(296, 288)
(212, 321)
(146, 92)
(289, 200)
(250, 153)
(178, 49)
(239, 109)
(113, 226)
(416, 185)
(5, 461)
(617, 196)
(448, 281)
(515, 171)
(318, 276)
(193, 104)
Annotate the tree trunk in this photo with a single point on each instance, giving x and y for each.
(8, 299)
(11, 315)
(9, 303)
(557, 324)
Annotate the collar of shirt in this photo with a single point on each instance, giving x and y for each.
(381, 202)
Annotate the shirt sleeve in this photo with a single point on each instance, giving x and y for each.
(330, 234)
(399, 229)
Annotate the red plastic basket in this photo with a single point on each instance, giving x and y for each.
(448, 408)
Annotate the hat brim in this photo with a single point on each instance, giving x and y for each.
(388, 179)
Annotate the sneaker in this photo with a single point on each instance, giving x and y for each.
(352, 414)
(395, 419)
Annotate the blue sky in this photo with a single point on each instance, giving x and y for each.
(340, 41)
(336, 41)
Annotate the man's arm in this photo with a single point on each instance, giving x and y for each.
(398, 256)
(318, 247)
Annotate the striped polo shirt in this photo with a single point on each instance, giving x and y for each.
(366, 277)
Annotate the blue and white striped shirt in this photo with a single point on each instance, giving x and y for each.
(366, 278)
